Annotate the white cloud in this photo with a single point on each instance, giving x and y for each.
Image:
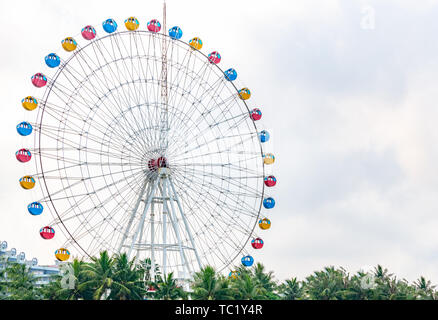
(354, 113)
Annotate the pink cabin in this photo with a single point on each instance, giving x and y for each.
(39, 80)
(257, 243)
(270, 181)
(154, 25)
(256, 114)
(23, 155)
(152, 165)
(162, 162)
(47, 233)
(214, 57)
(88, 33)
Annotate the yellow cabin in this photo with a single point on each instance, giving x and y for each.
(264, 223)
(69, 44)
(268, 158)
(244, 94)
(132, 24)
(29, 103)
(62, 254)
(27, 182)
(196, 43)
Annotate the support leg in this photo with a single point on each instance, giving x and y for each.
(185, 222)
(134, 211)
(173, 221)
(152, 242)
(146, 207)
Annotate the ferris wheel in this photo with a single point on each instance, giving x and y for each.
(144, 145)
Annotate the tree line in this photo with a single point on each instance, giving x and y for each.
(118, 278)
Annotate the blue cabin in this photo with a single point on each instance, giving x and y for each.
(264, 136)
(269, 203)
(175, 33)
(248, 261)
(24, 128)
(52, 60)
(35, 208)
(109, 25)
(230, 74)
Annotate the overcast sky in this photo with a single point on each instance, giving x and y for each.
(351, 103)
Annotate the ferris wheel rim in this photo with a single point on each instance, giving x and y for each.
(42, 110)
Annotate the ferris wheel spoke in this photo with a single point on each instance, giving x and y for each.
(193, 105)
(211, 90)
(212, 209)
(69, 147)
(254, 154)
(233, 181)
(215, 124)
(132, 64)
(231, 149)
(70, 213)
(247, 137)
(82, 119)
(239, 205)
(76, 145)
(193, 84)
(154, 72)
(206, 195)
(52, 131)
(91, 229)
(93, 90)
(144, 73)
(78, 182)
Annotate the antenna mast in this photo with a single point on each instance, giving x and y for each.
(164, 92)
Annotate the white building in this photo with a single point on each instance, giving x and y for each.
(42, 273)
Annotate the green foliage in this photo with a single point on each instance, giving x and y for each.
(291, 289)
(18, 283)
(118, 278)
(208, 285)
(168, 289)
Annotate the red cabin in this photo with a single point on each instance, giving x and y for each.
(39, 80)
(47, 233)
(256, 114)
(23, 155)
(270, 181)
(154, 25)
(152, 165)
(257, 243)
(214, 57)
(88, 33)
(162, 162)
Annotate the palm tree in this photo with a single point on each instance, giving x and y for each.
(3, 285)
(20, 282)
(208, 285)
(425, 289)
(98, 275)
(328, 284)
(127, 283)
(291, 290)
(53, 290)
(265, 280)
(168, 289)
(246, 288)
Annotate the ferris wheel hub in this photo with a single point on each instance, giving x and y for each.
(155, 164)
